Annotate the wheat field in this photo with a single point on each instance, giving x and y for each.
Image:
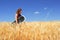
(30, 31)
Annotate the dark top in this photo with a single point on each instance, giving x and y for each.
(19, 15)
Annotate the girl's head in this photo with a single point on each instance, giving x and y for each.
(19, 11)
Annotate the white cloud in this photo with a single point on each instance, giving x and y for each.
(47, 15)
(36, 12)
(45, 8)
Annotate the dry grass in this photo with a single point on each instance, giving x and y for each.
(30, 31)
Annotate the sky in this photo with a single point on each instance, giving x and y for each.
(32, 10)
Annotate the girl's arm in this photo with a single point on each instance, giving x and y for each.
(16, 18)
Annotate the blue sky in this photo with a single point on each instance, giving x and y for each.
(33, 10)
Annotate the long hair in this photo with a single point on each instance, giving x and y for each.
(18, 11)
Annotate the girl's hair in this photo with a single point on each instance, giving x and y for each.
(18, 10)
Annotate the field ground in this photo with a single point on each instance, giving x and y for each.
(30, 31)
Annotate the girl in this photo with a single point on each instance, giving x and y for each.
(18, 17)
(18, 14)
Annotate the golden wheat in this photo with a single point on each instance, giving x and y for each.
(30, 31)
